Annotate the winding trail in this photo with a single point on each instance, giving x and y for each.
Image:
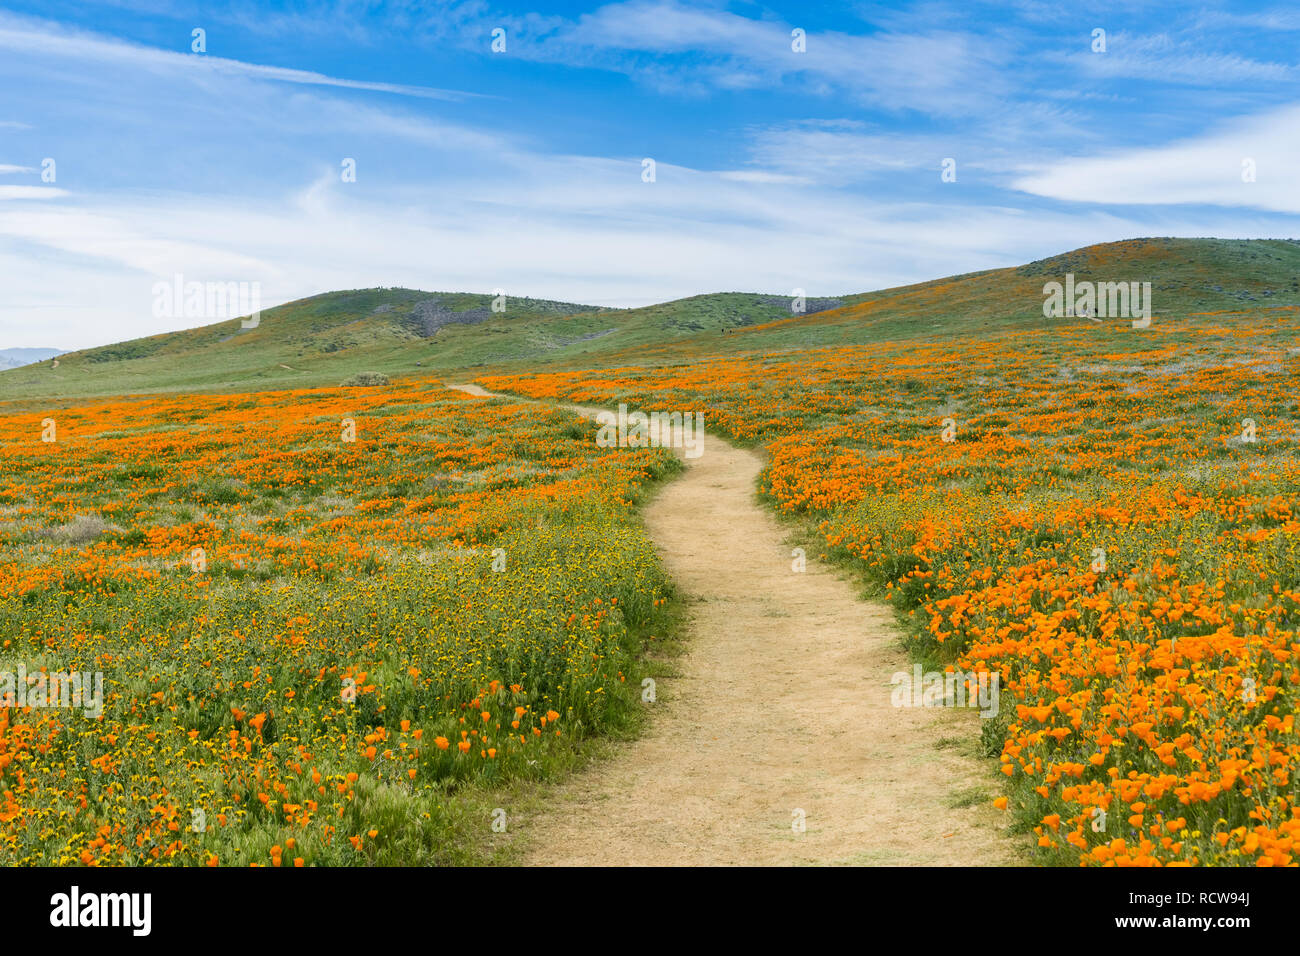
(782, 703)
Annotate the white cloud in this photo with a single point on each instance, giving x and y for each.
(34, 37)
(842, 153)
(1165, 59)
(762, 177)
(30, 192)
(1206, 169)
(940, 72)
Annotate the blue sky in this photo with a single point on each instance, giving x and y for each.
(522, 170)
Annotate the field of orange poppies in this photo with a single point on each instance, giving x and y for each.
(324, 621)
(1105, 516)
(331, 623)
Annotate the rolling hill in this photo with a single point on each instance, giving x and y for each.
(326, 338)
(1187, 276)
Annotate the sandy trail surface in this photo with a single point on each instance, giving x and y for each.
(781, 712)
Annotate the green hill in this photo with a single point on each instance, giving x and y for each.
(1188, 277)
(320, 340)
(325, 339)
(1224, 280)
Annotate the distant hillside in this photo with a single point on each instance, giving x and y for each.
(324, 339)
(16, 358)
(1228, 280)
(1187, 276)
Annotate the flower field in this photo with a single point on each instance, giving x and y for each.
(1107, 517)
(312, 641)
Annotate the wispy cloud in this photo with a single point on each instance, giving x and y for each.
(934, 71)
(24, 35)
(1203, 169)
(761, 176)
(30, 192)
(1165, 59)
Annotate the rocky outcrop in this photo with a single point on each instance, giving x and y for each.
(431, 315)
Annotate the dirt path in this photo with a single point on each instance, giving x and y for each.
(782, 704)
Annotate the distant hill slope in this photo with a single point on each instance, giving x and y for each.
(324, 339)
(318, 340)
(1187, 276)
(1230, 280)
